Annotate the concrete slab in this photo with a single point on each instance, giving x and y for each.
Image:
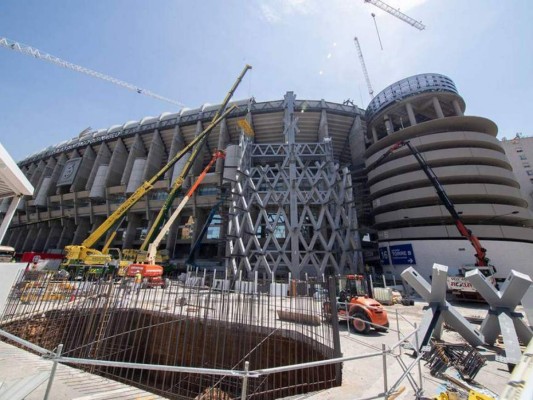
(69, 383)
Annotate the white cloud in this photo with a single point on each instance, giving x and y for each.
(274, 11)
(269, 14)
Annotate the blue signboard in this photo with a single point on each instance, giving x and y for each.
(402, 254)
(384, 255)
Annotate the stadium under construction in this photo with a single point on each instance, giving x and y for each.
(296, 196)
(306, 191)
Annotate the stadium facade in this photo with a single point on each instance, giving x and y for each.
(296, 198)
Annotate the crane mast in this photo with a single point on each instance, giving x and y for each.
(33, 52)
(363, 66)
(396, 13)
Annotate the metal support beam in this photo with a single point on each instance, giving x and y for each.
(439, 310)
(502, 317)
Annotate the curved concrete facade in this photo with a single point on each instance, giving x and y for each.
(470, 164)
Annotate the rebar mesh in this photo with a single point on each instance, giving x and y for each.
(182, 325)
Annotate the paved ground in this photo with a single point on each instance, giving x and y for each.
(364, 378)
(69, 383)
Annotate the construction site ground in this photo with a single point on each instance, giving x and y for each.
(361, 378)
(364, 378)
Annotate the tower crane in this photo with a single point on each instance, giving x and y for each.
(33, 52)
(363, 66)
(396, 13)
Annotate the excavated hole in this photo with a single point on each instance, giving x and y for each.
(146, 337)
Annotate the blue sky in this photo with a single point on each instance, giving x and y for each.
(192, 51)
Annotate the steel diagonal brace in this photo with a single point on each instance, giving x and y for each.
(502, 317)
(439, 310)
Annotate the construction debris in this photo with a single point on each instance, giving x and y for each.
(463, 357)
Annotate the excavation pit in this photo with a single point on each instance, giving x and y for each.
(150, 337)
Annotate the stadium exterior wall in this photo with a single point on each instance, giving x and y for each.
(81, 181)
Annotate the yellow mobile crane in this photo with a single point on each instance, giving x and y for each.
(140, 255)
(84, 258)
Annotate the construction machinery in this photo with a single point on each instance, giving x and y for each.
(160, 218)
(36, 53)
(89, 260)
(191, 259)
(353, 304)
(152, 247)
(397, 13)
(84, 257)
(151, 275)
(80, 256)
(363, 66)
(458, 285)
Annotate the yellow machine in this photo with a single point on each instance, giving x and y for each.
(84, 259)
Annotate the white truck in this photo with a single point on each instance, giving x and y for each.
(461, 289)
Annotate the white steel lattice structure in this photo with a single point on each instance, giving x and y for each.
(292, 209)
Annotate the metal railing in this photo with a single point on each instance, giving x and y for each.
(247, 373)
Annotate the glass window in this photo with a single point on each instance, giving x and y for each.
(530, 171)
(523, 157)
(519, 150)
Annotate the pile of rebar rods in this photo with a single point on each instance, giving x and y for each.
(463, 357)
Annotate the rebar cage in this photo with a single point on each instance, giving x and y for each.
(187, 324)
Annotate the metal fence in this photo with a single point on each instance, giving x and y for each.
(137, 336)
(190, 341)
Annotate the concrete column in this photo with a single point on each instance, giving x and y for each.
(82, 230)
(54, 236)
(41, 237)
(457, 108)
(357, 141)
(137, 151)
(134, 221)
(411, 114)
(67, 233)
(178, 143)
(57, 173)
(29, 240)
(42, 195)
(36, 177)
(8, 216)
(156, 155)
(117, 164)
(290, 138)
(374, 134)
(388, 125)
(84, 170)
(438, 108)
(102, 158)
(19, 243)
(9, 237)
(46, 175)
(323, 126)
